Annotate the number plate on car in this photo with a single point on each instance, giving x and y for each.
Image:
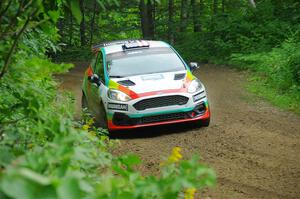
(115, 106)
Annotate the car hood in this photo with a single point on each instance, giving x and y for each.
(159, 82)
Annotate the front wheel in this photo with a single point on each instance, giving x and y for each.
(102, 118)
(205, 122)
(102, 121)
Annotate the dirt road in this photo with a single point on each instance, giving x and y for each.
(253, 146)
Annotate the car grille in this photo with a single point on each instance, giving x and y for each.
(121, 119)
(160, 102)
(162, 118)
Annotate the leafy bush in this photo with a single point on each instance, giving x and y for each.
(72, 54)
(278, 73)
(77, 163)
(264, 40)
(280, 66)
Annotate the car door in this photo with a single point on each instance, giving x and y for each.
(95, 99)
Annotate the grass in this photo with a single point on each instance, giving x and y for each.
(287, 101)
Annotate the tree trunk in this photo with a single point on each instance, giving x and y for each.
(82, 23)
(196, 14)
(223, 6)
(146, 19)
(183, 15)
(70, 28)
(214, 14)
(93, 22)
(60, 27)
(171, 21)
(215, 7)
(143, 16)
(150, 19)
(154, 17)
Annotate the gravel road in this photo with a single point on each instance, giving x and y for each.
(253, 147)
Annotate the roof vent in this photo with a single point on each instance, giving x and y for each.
(179, 76)
(126, 82)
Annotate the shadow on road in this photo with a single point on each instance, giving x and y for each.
(155, 131)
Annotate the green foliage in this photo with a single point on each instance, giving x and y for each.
(264, 40)
(279, 71)
(27, 101)
(281, 64)
(285, 100)
(242, 32)
(73, 54)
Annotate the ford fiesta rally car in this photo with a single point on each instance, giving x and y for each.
(138, 83)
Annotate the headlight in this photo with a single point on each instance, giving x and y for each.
(118, 95)
(195, 86)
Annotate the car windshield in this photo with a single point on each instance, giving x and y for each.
(143, 61)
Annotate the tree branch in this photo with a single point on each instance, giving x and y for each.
(8, 57)
(13, 21)
(4, 10)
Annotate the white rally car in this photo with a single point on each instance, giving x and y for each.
(138, 83)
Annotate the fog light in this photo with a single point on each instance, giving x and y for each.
(198, 96)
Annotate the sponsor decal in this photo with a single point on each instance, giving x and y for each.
(152, 77)
(115, 106)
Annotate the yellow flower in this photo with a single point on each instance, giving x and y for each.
(90, 122)
(189, 193)
(175, 156)
(85, 127)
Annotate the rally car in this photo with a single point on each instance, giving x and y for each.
(138, 83)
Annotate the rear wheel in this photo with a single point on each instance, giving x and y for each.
(83, 101)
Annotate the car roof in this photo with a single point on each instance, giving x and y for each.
(118, 46)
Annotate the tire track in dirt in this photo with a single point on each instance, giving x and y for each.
(253, 146)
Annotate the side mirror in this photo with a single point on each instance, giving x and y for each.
(194, 66)
(94, 79)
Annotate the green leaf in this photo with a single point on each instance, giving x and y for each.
(54, 15)
(76, 11)
(26, 184)
(16, 187)
(69, 188)
(101, 4)
(130, 160)
(35, 177)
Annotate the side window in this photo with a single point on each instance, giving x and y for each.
(99, 66)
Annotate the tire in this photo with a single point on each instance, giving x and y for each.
(102, 122)
(84, 104)
(102, 118)
(205, 122)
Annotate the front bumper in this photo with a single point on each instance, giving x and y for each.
(113, 127)
(192, 111)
